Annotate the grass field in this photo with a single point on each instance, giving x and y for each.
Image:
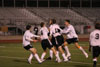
(13, 55)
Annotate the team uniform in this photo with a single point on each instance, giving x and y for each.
(27, 38)
(71, 34)
(27, 45)
(72, 37)
(57, 38)
(45, 39)
(46, 43)
(95, 42)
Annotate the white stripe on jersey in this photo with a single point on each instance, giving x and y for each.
(70, 31)
(95, 38)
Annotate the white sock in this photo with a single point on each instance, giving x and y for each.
(51, 53)
(94, 59)
(67, 50)
(30, 57)
(43, 55)
(82, 50)
(64, 56)
(37, 58)
(58, 53)
(58, 58)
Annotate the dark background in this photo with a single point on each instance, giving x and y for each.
(49, 3)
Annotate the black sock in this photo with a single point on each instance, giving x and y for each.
(94, 63)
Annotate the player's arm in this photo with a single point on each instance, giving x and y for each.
(66, 31)
(28, 38)
(31, 38)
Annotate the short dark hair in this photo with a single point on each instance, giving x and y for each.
(67, 21)
(53, 21)
(97, 25)
(28, 27)
(42, 24)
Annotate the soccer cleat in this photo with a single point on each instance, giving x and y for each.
(59, 61)
(49, 58)
(65, 60)
(56, 60)
(68, 56)
(86, 55)
(42, 60)
(29, 61)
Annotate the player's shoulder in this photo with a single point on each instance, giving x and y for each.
(94, 31)
(50, 26)
(27, 31)
(71, 25)
(56, 25)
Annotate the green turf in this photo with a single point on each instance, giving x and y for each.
(14, 55)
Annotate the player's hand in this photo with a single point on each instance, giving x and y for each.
(34, 40)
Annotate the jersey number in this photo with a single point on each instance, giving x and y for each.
(96, 36)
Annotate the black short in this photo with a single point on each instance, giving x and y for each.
(28, 47)
(72, 40)
(46, 44)
(96, 51)
(57, 41)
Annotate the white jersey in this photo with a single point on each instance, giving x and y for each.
(27, 37)
(44, 33)
(95, 38)
(70, 31)
(55, 30)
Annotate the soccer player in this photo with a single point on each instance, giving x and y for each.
(95, 43)
(57, 39)
(72, 37)
(27, 38)
(46, 43)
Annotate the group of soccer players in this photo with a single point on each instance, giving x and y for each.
(52, 38)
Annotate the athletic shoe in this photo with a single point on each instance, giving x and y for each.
(29, 61)
(49, 58)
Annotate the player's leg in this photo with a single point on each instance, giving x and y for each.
(56, 54)
(62, 52)
(30, 58)
(95, 54)
(34, 52)
(44, 47)
(51, 53)
(94, 62)
(66, 49)
(80, 48)
(59, 46)
(43, 55)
